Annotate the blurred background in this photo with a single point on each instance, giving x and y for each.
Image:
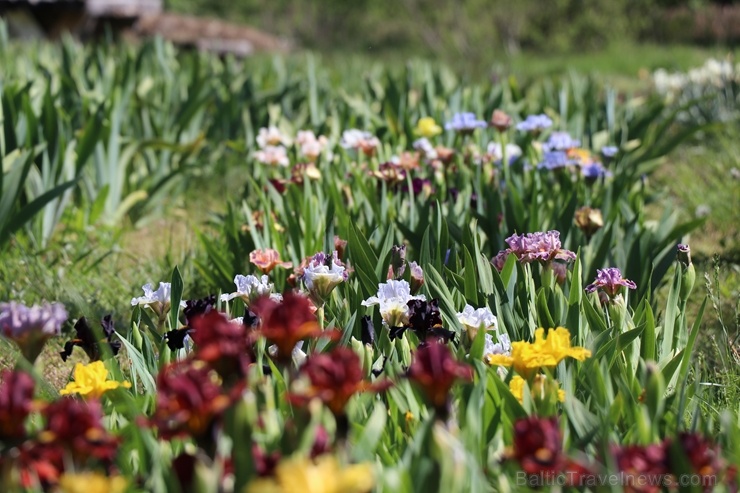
(468, 34)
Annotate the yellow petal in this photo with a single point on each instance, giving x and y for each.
(356, 479)
(516, 387)
(499, 359)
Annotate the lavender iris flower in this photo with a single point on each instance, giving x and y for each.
(609, 151)
(560, 141)
(30, 327)
(535, 247)
(465, 123)
(594, 171)
(535, 123)
(554, 160)
(610, 281)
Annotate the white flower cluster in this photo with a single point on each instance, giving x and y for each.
(250, 287)
(359, 140)
(483, 318)
(159, 298)
(310, 146)
(714, 73)
(495, 151)
(317, 274)
(273, 144)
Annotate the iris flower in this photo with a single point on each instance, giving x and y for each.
(31, 327)
(545, 352)
(323, 475)
(427, 128)
(610, 281)
(92, 381)
(473, 319)
(393, 298)
(266, 260)
(91, 482)
(541, 384)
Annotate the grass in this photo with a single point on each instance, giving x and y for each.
(627, 66)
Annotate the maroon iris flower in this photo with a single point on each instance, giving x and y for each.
(335, 377)
(189, 401)
(286, 323)
(435, 371)
(704, 457)
(77, 426)
(223, 345)
(538, 445)
(16, 403)
(645, 467)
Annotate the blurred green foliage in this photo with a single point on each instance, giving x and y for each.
(468, 28)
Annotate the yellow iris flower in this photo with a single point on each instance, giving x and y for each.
(545, 352)
(324, 475)
(92, 381)
(427, 127)
(91, 483)
(516, 386)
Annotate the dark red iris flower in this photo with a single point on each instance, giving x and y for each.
(74, 429)
(538, 445)
(39, 464)
(287, 322)
(77, 426)
(335, 377)
(703, 455)
(265, 463)
(223, 345)
(189, 400)
(644, 466)
(16, 403)
(435, 371)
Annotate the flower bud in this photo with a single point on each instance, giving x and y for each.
(688, 272)
(404, 349)
(417, 277)
(500, 121)
(340, 246)
(398, 262)
(654, 390)
(368, 331)
(365, 352)
(589, 220)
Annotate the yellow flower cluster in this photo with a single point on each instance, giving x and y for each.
(545, 352)
(91, 483)
(541, 385)
(427, 127)
(92, 381)
(324, 475)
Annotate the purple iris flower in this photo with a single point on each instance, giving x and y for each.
(541, 246)
(554, 160)
(465, 123)
(535, 123)
(560, 141)
(610, 281)
(594, 171)
(609, 151)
